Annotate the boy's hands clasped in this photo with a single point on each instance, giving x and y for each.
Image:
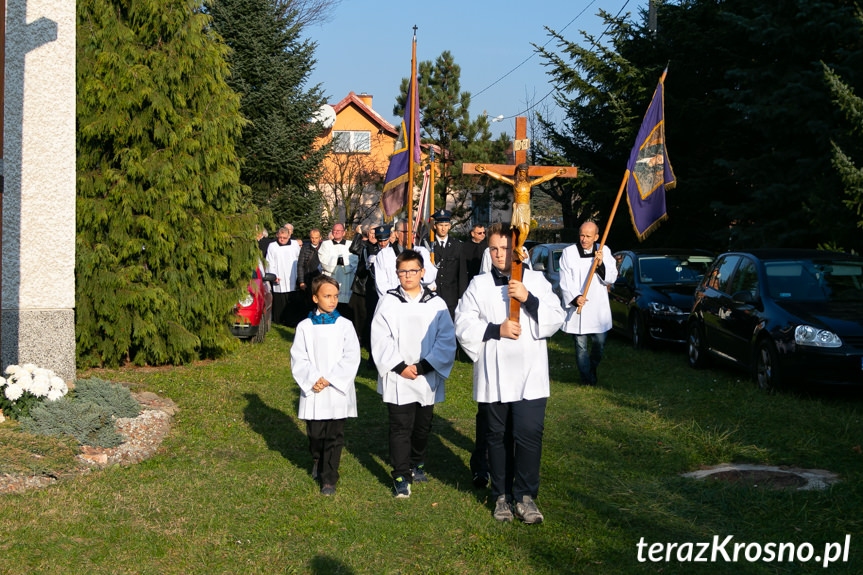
(320, 385)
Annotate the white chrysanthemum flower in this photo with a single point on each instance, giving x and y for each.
(13, 392)
(41, 386)
(58, 383)
(24, 379)
(42, 371)
(29, 367)
(2, 381)
(10, 369)
(54, 394)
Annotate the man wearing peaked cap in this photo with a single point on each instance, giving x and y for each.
(451, 278)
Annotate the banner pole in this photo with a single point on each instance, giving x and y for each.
(604, 236)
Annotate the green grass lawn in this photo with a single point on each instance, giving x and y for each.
(230, 491)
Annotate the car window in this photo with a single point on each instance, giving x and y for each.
(556, 254)
(746, 278)
(625, 269)
(815, 280)
(721, 273)
(537, 255)
(666, 269)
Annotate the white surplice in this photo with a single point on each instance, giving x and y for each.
(331, 351)
(595, 316)
(406, 330)
(385, 269)
(329, 254)
(507, 370)
(282, 261)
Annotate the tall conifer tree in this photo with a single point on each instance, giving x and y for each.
(270, 65)
(165, 237)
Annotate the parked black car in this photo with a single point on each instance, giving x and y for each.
(784, 314)
(652, 296)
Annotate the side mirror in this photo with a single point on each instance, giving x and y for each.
(268, 277)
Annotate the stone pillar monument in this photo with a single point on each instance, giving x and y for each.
(38, 164)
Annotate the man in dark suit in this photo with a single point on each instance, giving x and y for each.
(308, 268)
(472, 251)
(451, 271)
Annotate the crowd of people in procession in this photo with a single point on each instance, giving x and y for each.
(412, 308)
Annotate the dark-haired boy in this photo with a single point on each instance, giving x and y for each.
(413, 343)
(325, 357)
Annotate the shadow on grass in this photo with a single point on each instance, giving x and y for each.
(323, 565)
(279, 431)
(367, 439)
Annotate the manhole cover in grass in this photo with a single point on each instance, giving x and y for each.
(767, 476)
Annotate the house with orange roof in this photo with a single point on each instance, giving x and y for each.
(353, 173)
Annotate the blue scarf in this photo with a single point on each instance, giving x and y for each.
(323, 318)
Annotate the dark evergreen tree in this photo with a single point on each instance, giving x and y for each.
(165, 235)
(445, 121)
(270, 65)
(848, 154)
(748, 118)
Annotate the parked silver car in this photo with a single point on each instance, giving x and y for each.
(545, 258)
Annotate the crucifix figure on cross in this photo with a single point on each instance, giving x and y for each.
(522, 184)
(521, 173)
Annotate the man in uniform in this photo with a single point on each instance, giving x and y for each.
(594, 321)
(451, 278)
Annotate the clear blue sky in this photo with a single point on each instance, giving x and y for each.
(366, 47)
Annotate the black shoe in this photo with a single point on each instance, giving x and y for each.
(328, 490)
(418, 474)
(480, 479)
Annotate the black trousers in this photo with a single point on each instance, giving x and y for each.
(358, 317)
(409, 432)
(479, 457)
(280, 304)
(514, 469)
(326, 440)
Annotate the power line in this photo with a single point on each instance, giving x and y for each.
(554, 88)
(592, 2)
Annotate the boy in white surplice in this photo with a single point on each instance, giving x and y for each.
(413, 343)
(325, 357)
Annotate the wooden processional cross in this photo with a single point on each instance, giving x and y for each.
(521, 205)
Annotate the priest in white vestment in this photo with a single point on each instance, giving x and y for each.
(594, 321)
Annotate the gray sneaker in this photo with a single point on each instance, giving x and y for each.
(502, 509)
(527, 511)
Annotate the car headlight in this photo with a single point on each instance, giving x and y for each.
(247, 301)
(808, 335)
(664, 308)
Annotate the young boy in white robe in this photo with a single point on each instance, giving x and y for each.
(510, 372)
(413, 343)
(325, 357)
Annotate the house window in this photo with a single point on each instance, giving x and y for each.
(352, 141)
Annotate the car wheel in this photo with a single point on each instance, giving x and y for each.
(696, 350)
(263, 328)
(637, 331)
(767, 375)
